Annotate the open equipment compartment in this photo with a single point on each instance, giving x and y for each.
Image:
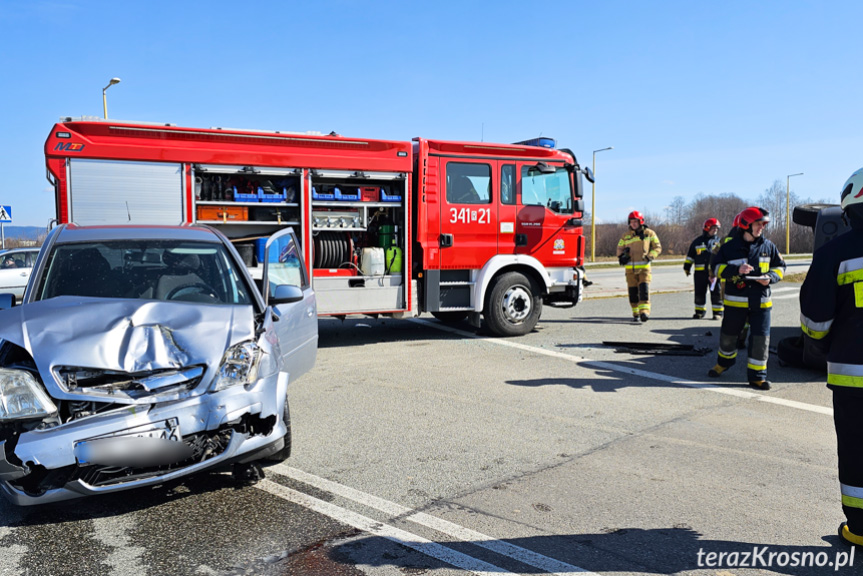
(358, 240)
(247, 203)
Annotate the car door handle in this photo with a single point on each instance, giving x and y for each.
(446, 240)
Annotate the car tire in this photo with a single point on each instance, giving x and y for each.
(450, 318)
(807, 214)
(513, 305)
(285, 452)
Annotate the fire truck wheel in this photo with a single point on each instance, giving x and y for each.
(513, 305)
(450, 317)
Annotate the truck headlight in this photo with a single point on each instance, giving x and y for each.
(21, 396)
(239, 366)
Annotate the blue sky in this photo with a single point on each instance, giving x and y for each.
(695, 97)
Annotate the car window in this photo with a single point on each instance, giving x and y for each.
(168, 270)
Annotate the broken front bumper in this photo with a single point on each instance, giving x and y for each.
(224, 427)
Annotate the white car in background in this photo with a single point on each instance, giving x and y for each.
(15, 267)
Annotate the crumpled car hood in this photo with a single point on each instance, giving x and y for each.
(124, 335)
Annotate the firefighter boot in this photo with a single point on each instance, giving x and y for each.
(644, 317)
(699, 314)
(760, 384)
(848, 536)
(716, 371)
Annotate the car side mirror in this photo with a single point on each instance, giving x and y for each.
(7, 301)
(285, 294)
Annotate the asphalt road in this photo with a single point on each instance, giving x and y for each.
(420, 449)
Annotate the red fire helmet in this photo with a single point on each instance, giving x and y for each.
(751, 215)
(710, 223)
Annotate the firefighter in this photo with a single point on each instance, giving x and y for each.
(831, 313)
(638, 247)
(733, 233)
(699, 255)
(748, 263)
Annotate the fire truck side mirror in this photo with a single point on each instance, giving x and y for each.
(588, 173)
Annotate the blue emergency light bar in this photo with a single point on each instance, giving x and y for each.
(541, 142)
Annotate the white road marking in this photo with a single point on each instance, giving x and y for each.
(587, 362)
(785, 289)
(397, 535)
(461, 533)
(787, 296)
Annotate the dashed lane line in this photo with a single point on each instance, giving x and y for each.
(593, 364)
(397, 535)
(456, 531)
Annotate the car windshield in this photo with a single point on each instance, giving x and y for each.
(550, 190)
(201, 272)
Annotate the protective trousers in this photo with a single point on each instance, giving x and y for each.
(847, 407)
(637, 282)
(733, 324)
(702, 285)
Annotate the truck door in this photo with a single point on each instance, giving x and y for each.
(468, 213)
(545, 211)
(507, 240)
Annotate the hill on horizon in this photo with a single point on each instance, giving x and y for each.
(31, 233)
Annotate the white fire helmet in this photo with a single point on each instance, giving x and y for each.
(852, 192)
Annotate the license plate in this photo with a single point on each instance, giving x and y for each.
(145, 438)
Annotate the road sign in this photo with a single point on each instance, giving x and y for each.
(5, 214)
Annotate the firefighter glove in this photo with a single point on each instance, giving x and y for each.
(688, 271)
(624, 258)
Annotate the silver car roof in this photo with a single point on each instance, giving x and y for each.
(73, 233)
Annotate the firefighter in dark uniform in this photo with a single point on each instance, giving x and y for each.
(748, 263)
(831, 313)
(638, 247)
(733, 233)
(699, 256)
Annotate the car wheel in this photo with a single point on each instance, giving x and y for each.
(450, 317)
(285, 452)
(513, 305)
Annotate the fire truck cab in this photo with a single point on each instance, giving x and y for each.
(457, 229)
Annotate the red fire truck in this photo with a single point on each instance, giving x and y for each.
(394, 228)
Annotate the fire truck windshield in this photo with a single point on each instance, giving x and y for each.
(551, 190)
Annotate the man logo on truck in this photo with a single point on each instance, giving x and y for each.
(68, 147)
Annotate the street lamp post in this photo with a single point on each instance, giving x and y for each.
(788, 211)
(593, 206)
(104, 98)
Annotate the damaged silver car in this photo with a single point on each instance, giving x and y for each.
(141, 354)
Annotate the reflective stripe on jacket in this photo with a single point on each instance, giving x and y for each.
(643, 246)
(763, 256)
(700, 251)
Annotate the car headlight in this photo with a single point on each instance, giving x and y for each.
(21, 396)
(239, 366)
